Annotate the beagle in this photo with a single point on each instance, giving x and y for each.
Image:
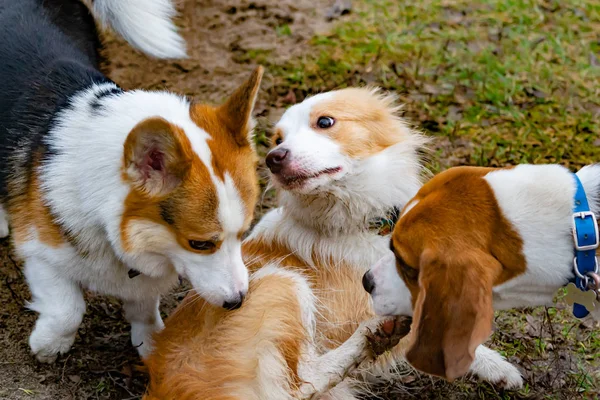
(474, 240)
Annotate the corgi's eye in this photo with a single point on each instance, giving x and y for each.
(278, 141)
(325, 122)
(202, 245)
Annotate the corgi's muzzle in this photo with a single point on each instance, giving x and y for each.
(234, 303)
(292, 172)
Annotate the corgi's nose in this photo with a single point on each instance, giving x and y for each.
(234, 304)
(276, 159)
(368, 282)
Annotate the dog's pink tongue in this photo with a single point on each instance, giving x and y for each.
(388, 326)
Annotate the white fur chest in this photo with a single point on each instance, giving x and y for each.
(360, 249)
(98, 270)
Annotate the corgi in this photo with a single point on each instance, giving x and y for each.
(341, 161)
(511, 246)
(119, 192)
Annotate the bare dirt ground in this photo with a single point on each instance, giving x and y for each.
(388, 43)
(220, 35)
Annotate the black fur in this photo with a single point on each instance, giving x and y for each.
(49, 50)
(96, 105)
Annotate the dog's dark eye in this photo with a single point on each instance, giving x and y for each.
(409, 272)
(202, 245)
(325, 122)
(278, 141)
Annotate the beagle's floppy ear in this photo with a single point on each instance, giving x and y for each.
(453, 312)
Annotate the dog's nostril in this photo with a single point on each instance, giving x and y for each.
(367, 282)
(275, 159)
(235, 304)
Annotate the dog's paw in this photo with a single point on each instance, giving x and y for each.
(492, 367)
(141, 337)
(46, 348)
(387, 333)
(507, 377)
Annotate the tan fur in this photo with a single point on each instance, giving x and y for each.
(451, 254)
(215, 353)
(342, 302)
(364, 124)
(179, 202)
(190, 201)
(30, 215)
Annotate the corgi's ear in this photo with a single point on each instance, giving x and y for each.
(453, 312)
(236, 112)
(157, 156)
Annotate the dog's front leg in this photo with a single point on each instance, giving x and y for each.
(61, 306)
(490, 366)
(144, 317)
(371, 339)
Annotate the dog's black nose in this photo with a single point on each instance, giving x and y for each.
(234, 304)
(368, 283)
(275, 159)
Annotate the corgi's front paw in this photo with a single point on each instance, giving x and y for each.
(47, 346)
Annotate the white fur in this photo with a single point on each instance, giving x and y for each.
(328, 219)
(389, 293)
(538, 202)
(83, 188)
(348, 200)
(4, 228)
(411, 204)
(391, 297)
(306, 298)
(492, 367)
(146, 24)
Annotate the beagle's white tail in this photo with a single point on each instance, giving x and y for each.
(146, 24)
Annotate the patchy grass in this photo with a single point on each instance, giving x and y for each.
(495, 83)
(514, 81)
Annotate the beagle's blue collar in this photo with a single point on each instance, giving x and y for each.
(586, 240)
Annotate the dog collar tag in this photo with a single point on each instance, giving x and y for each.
(586, 298)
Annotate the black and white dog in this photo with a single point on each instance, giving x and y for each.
(99, 185)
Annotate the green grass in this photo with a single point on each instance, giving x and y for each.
(519, 81)
(495, 83)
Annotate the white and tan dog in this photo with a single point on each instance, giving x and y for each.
(474, 240)
(101, 184)
(341, 160)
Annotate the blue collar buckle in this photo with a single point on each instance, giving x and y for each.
(585, 264)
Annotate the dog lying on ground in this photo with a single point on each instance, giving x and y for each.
(474, 240)
(101, 185)
(341, 161)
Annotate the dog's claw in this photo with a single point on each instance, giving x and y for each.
(388, 334)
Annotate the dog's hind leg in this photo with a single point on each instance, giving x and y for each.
(4, 230)
(144, 317)
(61, 306)
(371, 339)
